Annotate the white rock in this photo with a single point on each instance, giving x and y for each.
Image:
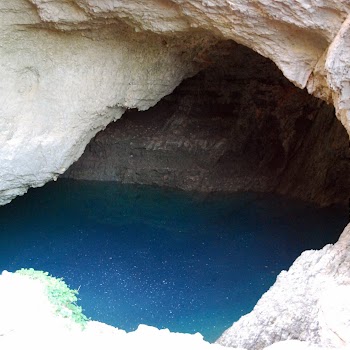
(335, 315)
(59, 89)
(307, 303)
(28, 321)
(295, 345)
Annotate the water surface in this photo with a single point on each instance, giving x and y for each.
(183, 261)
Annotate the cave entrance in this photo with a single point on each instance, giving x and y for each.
(239, 125)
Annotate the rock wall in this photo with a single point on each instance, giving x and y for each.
(238, 125)
(309, 302)
(60, 87)
(70, 67)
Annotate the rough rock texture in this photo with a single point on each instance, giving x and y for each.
(59, 89)
(294, 34)
(310, 303)
(238, 125)
(69, 67)
(296, 345)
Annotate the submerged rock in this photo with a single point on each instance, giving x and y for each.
(309, 302)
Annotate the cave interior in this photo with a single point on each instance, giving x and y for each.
(237, 125)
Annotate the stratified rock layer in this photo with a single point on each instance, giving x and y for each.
(307, 303)
(70, 67)
(238, 125)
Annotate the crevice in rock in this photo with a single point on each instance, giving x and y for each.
(239, 125)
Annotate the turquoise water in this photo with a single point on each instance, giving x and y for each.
(187, 262)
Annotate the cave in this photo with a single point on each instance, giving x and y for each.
(236, 140)
(181, 166)
(238, 125)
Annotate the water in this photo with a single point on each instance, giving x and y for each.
(187, 262)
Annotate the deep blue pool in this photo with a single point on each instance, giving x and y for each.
(188, 262)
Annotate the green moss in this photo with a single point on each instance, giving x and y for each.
(60, 295)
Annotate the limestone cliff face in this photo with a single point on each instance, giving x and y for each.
(238, 125)
(70, 67)
(59, 88)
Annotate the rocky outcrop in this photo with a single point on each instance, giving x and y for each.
(70, 67)
(239, 125)
(307, 303)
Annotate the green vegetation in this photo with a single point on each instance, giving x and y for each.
(60, 295)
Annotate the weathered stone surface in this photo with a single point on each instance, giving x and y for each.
(288, 32)
(296, 345)
(307, 303)
(69, 67)
(239, 125)
(293, 34)
(59, 89)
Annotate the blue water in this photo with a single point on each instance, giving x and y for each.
(188, 262)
